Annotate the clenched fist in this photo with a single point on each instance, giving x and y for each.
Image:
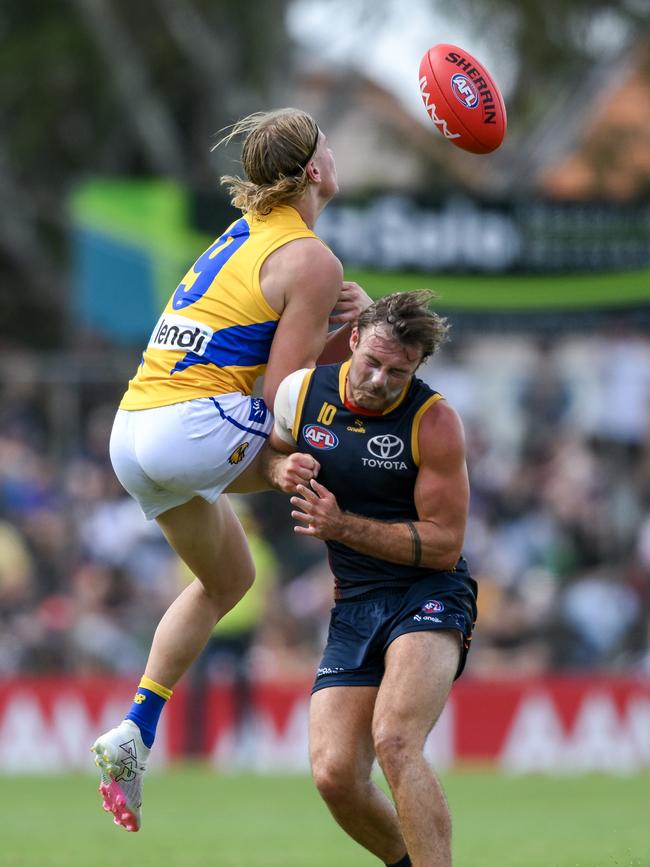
(293, 470)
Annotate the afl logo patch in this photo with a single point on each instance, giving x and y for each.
(385, 446)
(433, 607)
(320, 437)
(464, 90)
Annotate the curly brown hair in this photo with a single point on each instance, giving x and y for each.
(278, 146)
(409, 318)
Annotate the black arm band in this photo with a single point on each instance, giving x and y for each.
(415, 543)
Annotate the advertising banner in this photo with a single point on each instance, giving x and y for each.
(554, 725)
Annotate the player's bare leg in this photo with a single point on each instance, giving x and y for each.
(252, 479)
(404, 715)
(342, 755)
(211, 541)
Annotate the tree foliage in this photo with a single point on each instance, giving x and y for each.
(92, 87)
(555, 42)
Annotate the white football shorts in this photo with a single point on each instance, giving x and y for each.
(167, 455)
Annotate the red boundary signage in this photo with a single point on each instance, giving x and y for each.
(554, 725)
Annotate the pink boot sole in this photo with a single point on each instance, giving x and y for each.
(113, 801)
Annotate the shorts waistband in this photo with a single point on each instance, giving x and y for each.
(460, 574)
(377, 593)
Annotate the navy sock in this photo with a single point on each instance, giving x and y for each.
(405, 862)
(147, 706)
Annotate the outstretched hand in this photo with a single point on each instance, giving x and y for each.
(352, 301)
(319, 511)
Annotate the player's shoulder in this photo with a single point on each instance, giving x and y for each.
(440, 416)
(308, 261)
(290, 389)
(303, 274)
(288, 398)
(441, 429)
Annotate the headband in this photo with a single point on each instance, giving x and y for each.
(303, 164)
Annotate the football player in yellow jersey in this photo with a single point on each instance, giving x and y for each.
(258, 301)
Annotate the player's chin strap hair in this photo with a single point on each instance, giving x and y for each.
(416, 543)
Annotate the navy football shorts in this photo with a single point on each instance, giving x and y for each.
(361, 629)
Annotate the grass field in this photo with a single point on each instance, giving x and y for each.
(197, 818)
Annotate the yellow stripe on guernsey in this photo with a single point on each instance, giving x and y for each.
(215, 334)
(415, 428)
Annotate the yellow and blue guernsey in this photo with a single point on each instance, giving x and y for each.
(215, 334)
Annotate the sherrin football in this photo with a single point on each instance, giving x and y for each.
(462, 99)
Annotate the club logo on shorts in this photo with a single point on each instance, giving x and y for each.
(433, 607)
(464, 90)
(258, 410)
(320, 437)
(238, 455)
(460, 622)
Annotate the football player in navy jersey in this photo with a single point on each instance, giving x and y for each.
(391, 505)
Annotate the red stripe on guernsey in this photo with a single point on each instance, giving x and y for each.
(359, 410)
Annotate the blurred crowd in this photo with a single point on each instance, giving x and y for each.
(558, 442)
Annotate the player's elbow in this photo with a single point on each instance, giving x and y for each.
(442, 562)
(444, 553)
(269, 390)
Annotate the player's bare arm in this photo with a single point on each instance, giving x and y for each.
(302, 281)
(441, 498)
(351, 302)
(284, 468)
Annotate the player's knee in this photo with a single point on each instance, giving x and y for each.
(393, 748)
(334, 781)
(246, 580)
(242, 586)
(227, 592)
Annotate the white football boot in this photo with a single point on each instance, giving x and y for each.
(121, 756)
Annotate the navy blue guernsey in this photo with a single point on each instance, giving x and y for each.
(370, 463)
